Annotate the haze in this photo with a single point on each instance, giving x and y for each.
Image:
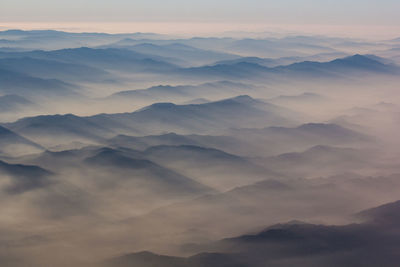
(357, 18)
(199, 134)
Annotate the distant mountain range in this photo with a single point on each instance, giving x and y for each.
(18, 83)
(210, 166)
(52, 69)
(108, 59)
(183, 92)
(278, 140)
(241, 111)
(306, 163)
(244, 69)
(182, 53)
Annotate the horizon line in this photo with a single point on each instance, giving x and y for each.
(218, 29)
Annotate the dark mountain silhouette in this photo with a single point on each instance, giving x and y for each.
(295, 243)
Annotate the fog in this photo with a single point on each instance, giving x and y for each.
(213, 151)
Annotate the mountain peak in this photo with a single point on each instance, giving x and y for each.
(165, 105)
(386, 214)
(243, 98)
(359, 60)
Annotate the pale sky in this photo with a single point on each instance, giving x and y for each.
(333, 13)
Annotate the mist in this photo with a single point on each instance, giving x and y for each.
(155, 150)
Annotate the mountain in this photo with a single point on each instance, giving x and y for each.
(338, 67)
(203, 118)
(209, 166)
(146, 259)
(173, 139)
(278, 140)
(22, 84)
(107, 59)
(213, 117)
(321, 130)
(308, 162)
(283, 61)
(183, 53)
(23, 178)
(196, 101)
(266, 62)
(55, 129)
(204, 43)
(50, 39)
(146, 171)
(274, 47)
(387, 214)
(342, 66)
(183, 92)
(131, 165)
(293, 244)
(232, 71)
(14, 144)
(52, 69)
(121, 182)
(267, 202)
(304, 98)
(144, 142)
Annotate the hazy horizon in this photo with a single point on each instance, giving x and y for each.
(367, 19)
(199, 133)
(215, 29)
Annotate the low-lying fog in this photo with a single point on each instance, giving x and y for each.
(139, 143)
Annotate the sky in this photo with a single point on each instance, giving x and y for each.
(182, 15)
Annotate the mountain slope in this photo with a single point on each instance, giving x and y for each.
(335, 68)
(108, 59)
(56, 129)
(183, 92)
(294, 244)
(23, 178)
(240, 111)
(14, 144)
(185, 53)
(22, 84)
(212, 167)
(52, 69)
(278, 140)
